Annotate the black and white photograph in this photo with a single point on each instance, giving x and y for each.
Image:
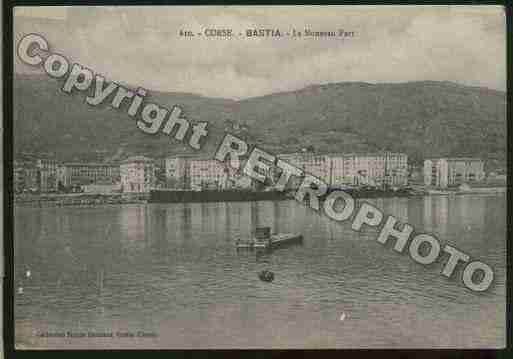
(259, 177)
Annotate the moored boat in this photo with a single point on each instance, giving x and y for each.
(264, 240)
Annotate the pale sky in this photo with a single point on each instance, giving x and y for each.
(141, 46)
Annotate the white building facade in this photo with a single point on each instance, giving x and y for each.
(445, 172)
(47, 175)
(353, 169)
(176, 169)
(317, 165)
(206, 173)
(137, 174)
(371, 169)
(86, 173)
(197, 173)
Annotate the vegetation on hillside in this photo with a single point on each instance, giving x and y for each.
(422, 119)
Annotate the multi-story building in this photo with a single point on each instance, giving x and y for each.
(396, 168)
(84, 173)
(61, 176)
(336, 170)
(137, 174)
(32, 178)
(317, 165)
(18, 178)
(445, 172)
(177, 169)
(375, 169)
(352, 169)
(47, 175)
(25, 177)
(207, 173)
(194, 172)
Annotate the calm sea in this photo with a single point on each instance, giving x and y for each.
(171, 271)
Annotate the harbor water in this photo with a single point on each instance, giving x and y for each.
(169, 276)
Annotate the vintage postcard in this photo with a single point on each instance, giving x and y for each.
(206, 177)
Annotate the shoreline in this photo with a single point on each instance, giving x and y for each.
(164, 196)
(79, 199)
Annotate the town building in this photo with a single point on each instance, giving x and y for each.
(74, 174)
(18, 177)
(61, 176)
(336, 170)
(25, 177)
(137, 174)
(351, 169)
(177, 169)
(198, 173)
(207, 173)
(32, 178)
(446, 172)
(47, 175)
(317, 165)
(370, 169)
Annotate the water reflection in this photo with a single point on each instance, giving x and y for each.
(174, 267)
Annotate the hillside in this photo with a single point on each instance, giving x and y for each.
(47, 120)
(420, 118)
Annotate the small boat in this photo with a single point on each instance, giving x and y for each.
(264, 240)
(250, 244)
(282, 239)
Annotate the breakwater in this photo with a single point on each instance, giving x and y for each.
(79, 199)
(177, 196)
(380, 193)
(171, 196)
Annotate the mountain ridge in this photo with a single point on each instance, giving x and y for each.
(421, 118)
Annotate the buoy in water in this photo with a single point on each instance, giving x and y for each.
(266, 276)
(343, 317)
(28, 274)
